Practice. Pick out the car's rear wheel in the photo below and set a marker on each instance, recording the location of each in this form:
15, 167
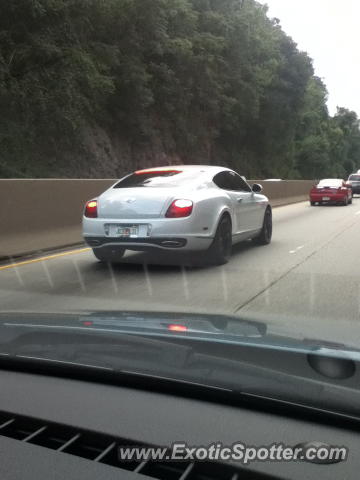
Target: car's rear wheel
350, 201
109, 254
266, 232
345, 202
221, 248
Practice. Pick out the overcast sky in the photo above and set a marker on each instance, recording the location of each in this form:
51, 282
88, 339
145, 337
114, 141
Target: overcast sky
328, 30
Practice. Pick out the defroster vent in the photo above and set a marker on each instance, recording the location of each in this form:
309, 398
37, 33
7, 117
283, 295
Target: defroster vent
104, 449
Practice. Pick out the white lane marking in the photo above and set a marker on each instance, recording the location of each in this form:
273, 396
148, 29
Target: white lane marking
113, 279
224, 284
312, 295
80, 278
267, 291
185, 283
297, 249
148, 280
47, 274
17, 273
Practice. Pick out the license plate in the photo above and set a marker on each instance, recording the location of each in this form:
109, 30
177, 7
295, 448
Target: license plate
326, 199
127, 231
142, 230
124, 231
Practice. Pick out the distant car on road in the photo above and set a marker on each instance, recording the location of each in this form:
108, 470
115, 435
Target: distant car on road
180, 208
354, 182
331, 190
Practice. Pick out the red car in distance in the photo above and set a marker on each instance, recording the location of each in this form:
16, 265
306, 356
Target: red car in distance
331, 190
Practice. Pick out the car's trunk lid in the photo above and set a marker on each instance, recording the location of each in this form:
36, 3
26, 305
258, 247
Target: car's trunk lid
328, 190
132, 203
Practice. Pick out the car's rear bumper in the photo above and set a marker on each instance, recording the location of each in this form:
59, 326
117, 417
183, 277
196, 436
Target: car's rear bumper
151, 243
169, 234
165, 242
333, 198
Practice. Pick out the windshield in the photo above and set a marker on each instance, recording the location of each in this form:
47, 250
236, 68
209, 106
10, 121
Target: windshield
172, 171
330, 183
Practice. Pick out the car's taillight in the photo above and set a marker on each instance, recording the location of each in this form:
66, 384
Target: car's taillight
180, 208
91, 209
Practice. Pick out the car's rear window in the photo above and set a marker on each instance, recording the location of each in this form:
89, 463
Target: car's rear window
355, 177
331, 182
165, 179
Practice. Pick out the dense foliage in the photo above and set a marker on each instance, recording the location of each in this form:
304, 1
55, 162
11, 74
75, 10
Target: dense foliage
197, 80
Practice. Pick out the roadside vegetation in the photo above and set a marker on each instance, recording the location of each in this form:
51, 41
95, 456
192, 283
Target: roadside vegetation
92, 88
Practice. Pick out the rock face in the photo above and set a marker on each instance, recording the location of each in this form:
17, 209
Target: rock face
102, 155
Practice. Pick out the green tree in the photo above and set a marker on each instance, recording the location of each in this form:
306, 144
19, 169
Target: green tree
313, 133
207, 81
345, 151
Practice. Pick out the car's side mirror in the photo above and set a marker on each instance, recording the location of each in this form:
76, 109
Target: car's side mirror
256, 188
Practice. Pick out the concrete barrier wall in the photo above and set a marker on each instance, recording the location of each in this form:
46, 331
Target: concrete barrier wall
38, 215
43, 214
287, 191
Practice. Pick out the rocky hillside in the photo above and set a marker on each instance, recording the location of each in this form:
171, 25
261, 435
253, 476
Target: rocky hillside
94, 88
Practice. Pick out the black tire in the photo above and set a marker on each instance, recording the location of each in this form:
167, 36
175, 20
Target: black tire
313, 204
220, 251
350, 201
109, 254
345, 202
266, 232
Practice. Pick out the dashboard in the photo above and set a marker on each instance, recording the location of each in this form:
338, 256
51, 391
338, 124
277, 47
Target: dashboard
149, 418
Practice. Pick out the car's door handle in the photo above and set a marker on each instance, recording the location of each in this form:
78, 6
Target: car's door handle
239, 200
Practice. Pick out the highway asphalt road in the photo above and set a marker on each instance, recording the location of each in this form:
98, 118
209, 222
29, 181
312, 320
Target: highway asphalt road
306, 283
